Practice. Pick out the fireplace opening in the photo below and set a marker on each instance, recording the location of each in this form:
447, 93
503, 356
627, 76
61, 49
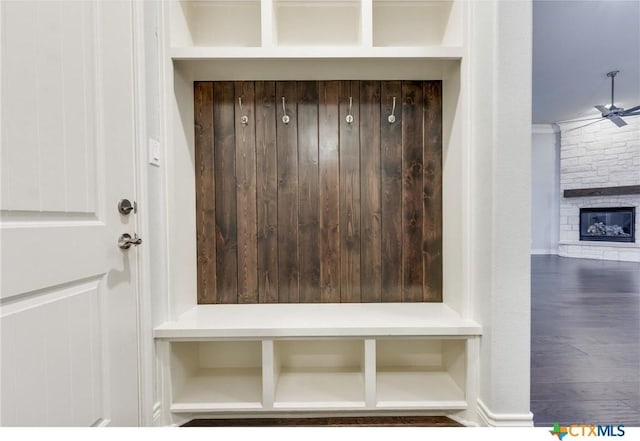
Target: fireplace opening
612, 224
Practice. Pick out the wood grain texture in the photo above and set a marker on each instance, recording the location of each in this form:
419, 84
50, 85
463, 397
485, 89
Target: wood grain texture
308, 195
349, 192
246, 193
205, 193
267, 191
602, 191
412, 189
432, 192
329, 158
319, 209
370, 247
287, 146
225, 193
384, 421
391, 203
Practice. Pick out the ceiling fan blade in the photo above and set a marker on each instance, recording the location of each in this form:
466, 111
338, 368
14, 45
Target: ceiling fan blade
602, 109
617, 120
585, 125
630, 111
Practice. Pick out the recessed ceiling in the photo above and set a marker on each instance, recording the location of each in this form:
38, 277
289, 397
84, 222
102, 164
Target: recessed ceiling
575, 44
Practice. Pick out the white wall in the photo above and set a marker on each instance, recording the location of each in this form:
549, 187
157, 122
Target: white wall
156, 240
545, 189
599, 155
501, 192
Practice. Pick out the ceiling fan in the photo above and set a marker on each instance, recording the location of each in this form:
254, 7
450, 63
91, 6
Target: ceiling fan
612, 113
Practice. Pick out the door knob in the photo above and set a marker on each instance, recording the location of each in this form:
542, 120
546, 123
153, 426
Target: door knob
125, 241
125, 206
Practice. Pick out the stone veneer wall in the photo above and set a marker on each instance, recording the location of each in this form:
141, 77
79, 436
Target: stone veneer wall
600, 155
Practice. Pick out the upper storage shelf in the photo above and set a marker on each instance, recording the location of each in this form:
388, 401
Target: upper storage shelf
215, 23
317, 23
417, 23
206, 29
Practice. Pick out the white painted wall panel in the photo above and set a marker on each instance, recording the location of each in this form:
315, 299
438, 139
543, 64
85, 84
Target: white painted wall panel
48, 374
49, 105
21, 183
48, 109
77, 82
545, 190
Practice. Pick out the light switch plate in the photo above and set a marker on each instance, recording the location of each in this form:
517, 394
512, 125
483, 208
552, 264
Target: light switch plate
154, 152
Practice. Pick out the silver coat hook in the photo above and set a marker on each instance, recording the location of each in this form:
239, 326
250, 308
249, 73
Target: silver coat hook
392, 117
285, 117
349, 117
244, 119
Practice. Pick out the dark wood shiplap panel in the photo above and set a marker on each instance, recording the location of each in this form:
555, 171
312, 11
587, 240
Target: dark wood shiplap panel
267, 191
246, 192
370, 245
412, 189
329, 164
320, 209
225, 193
308, 195
391, 182
349, 192
205, 193
287, 146
432, 185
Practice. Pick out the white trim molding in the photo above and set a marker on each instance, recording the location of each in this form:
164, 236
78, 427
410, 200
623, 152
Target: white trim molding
157, 414
537, 251
538, 129
503, 419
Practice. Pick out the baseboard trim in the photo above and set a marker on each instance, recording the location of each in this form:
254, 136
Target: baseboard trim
537, 251
504, 419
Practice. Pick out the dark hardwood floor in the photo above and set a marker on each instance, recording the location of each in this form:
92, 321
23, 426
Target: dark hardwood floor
585, 348
388, 421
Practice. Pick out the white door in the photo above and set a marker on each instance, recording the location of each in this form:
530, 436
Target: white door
69, 342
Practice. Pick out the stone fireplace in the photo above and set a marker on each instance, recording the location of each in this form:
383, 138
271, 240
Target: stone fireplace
600, 192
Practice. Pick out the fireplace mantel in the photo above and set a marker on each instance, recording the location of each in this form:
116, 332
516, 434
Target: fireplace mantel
603, 191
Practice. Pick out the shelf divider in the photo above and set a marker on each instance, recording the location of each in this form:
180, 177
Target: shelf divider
370, 381
366, 23
268, 24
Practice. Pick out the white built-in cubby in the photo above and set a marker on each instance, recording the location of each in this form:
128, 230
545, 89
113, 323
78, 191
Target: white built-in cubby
317, 23
318, 358
417, 23
318, 373
198, 23
209, 29
266, 359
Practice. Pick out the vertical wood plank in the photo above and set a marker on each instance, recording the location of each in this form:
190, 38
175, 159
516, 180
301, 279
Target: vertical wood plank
286, 140
308, 197
391, 204
432, 182
267, 191
205, 192
412, 189
370, 251
328, 114
225, 193
246, 193
349, 193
